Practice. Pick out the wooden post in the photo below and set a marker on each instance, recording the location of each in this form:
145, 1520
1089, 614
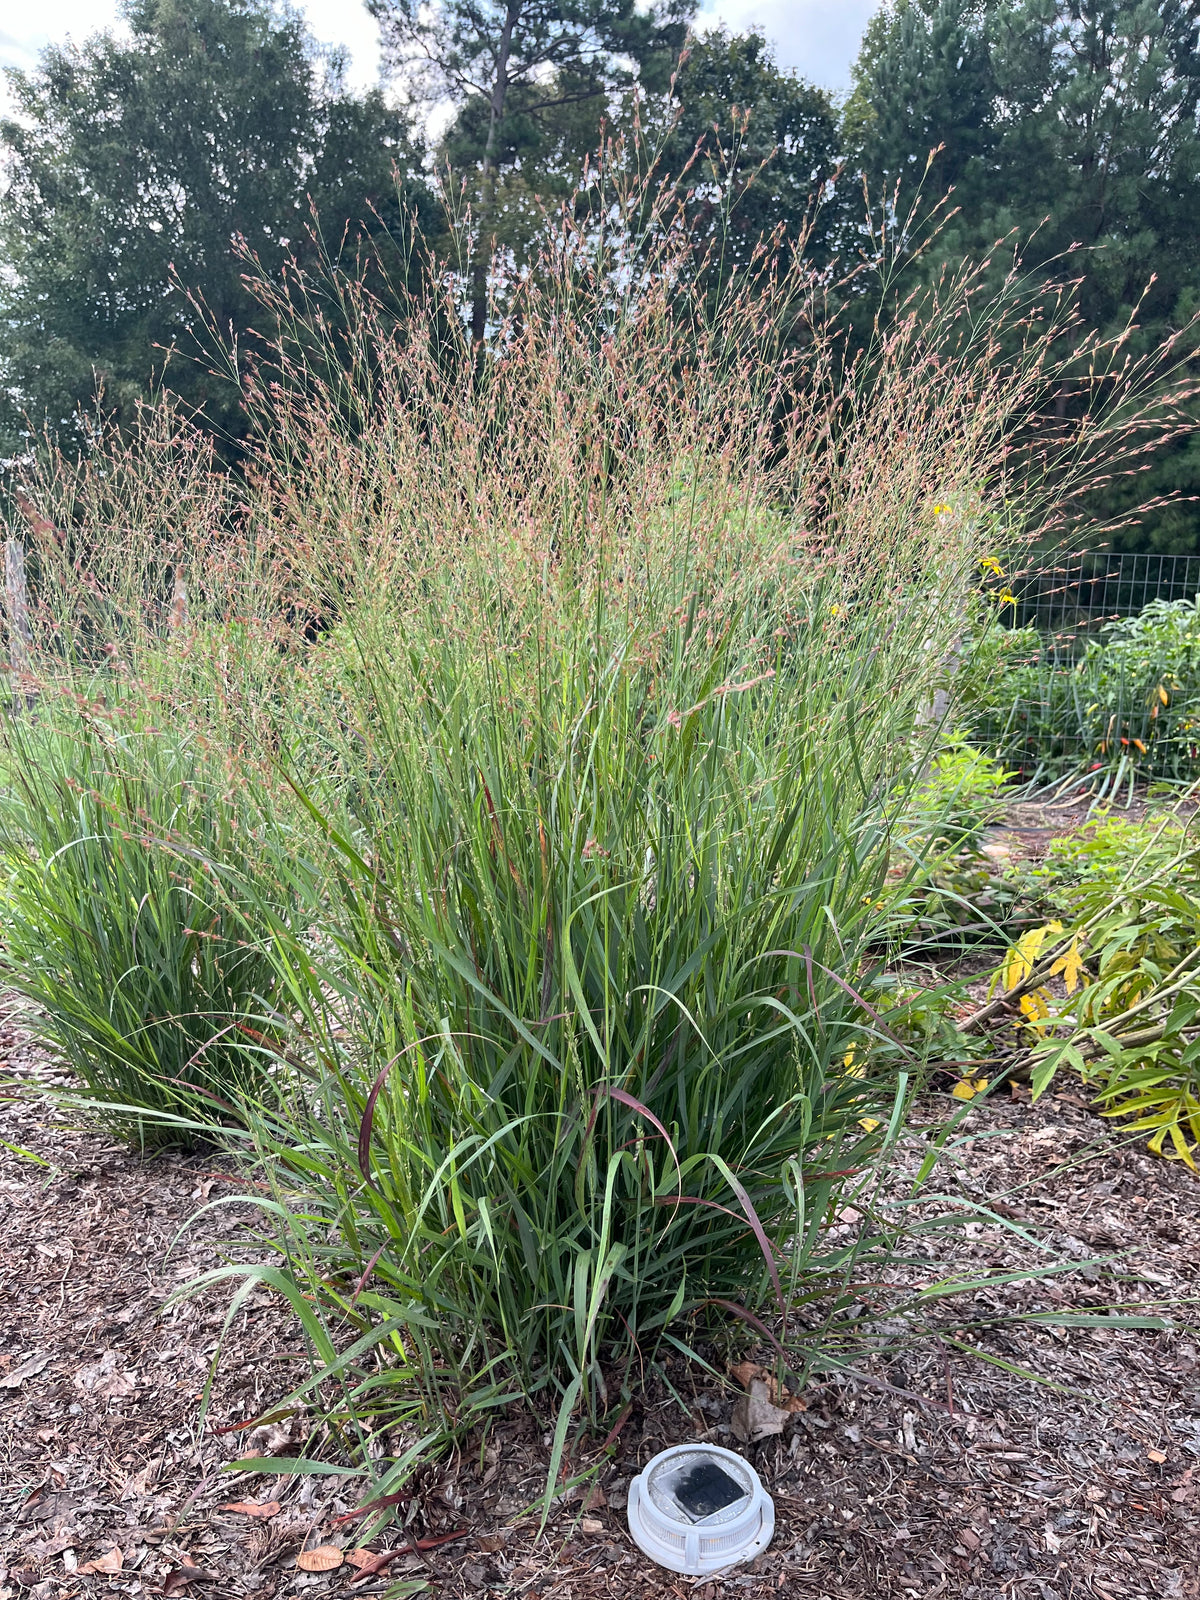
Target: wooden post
178, 619
20, 635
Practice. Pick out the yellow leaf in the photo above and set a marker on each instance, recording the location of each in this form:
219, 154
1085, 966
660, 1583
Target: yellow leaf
963, 1090
1019, 962
1070, 965
869, 1123
1163, 695
1035, 1009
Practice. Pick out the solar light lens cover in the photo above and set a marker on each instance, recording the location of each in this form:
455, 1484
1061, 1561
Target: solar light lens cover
698, 1509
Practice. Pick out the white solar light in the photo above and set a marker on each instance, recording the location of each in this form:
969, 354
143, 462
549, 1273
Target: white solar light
698, 1509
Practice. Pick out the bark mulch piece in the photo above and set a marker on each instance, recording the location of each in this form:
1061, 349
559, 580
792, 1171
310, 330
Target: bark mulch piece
930, 1473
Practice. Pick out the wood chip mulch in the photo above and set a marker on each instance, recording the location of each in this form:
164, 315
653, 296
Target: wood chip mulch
931, 1473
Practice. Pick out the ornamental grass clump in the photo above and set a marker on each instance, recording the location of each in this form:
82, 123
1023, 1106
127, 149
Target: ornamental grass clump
577, 685
120, 846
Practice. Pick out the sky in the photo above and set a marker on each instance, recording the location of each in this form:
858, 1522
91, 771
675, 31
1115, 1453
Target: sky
817, 37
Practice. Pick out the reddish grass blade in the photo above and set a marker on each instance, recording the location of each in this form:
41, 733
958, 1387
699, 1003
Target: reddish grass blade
760, 1233
256, 1422
402, 1497
614, 1431
367, 1271
755, 1322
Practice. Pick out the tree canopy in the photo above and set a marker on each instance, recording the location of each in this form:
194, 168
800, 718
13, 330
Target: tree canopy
140, 166
751, 146
134, 162
1070, 125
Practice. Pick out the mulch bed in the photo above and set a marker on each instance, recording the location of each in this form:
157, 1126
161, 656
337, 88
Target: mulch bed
930, 1472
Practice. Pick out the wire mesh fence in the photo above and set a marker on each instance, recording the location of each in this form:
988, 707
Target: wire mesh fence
1096, 670
1070, 598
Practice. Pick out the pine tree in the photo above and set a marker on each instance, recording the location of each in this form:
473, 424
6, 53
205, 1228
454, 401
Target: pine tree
1072, 127
520, 71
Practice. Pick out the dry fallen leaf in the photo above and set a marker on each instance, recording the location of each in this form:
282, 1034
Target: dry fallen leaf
595, 1499
376, 1562
264, 1510
754, 1417
323, 1559
111, 1561
104, 1380
137, 1485
748, 1373
177, 1580
1157, 1456
359, 1557
275, 1437
27, 1369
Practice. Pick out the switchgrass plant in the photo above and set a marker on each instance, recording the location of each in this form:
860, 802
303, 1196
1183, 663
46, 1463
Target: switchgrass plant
586, 1025
573, 688
117, 926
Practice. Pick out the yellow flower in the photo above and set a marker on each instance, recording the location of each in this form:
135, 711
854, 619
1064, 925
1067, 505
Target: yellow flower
990, 564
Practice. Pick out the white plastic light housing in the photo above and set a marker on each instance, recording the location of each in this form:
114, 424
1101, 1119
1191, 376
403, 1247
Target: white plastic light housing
698, 1509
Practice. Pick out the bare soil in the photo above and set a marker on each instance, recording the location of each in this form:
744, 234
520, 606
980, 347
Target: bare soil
929, 1472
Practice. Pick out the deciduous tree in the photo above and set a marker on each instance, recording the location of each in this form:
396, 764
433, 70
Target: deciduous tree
133, 161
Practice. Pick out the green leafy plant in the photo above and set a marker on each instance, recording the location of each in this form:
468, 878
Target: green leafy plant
962, 796
1126, 1015
943, 887
1128, 708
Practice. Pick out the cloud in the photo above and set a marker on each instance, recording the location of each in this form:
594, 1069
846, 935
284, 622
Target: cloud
53, 21
819, 38
350, 26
